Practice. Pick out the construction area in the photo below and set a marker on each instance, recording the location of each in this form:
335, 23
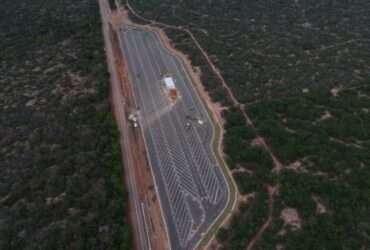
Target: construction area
176, 185
177, 136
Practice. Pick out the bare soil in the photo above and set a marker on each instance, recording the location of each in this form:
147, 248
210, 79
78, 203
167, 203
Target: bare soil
291, 219
143, 174
215, 245
122, 103
320, 207
296, 166
335, 91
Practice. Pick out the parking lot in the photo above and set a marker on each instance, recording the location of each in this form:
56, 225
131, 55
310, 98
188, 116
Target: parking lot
178, 137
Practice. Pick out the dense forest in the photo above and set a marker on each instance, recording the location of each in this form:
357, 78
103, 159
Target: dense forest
61, 184
302, 71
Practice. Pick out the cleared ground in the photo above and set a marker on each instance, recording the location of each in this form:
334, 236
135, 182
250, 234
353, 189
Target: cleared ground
192, 188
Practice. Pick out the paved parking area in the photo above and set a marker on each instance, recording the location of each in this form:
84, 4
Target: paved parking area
192, 188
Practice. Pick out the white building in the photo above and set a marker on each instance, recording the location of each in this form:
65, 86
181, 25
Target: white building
169, 82
170, 86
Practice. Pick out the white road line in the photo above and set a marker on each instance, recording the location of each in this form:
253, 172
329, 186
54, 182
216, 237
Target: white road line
114, 80
211, 163
205, 155
147, 151
146, 226
145, 76
213, 139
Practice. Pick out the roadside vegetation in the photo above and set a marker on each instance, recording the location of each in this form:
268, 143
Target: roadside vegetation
301, 69
61, 182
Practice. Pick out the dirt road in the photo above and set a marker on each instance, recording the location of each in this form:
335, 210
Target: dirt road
149, 229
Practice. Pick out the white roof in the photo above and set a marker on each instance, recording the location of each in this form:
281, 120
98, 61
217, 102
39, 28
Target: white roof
169, 82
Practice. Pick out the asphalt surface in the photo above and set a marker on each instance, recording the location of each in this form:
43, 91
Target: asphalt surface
142, 240
192, 188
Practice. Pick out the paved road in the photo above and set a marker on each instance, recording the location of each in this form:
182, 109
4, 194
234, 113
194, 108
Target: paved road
142, 240
190, 182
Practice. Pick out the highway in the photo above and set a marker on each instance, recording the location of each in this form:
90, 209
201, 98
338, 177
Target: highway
189, 180
142, 240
